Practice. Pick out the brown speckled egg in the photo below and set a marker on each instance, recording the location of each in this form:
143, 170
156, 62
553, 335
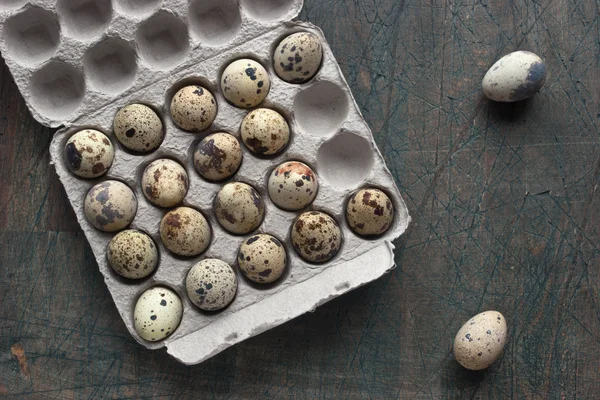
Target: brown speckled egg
132, 254
211, 284
185, 232
157, 313
139, 128
110, 206
262, 258
165, 183
298, 57
193, 108
239, 208
316, 237
245, 83
218, 156
265, 132
370, 212
89, 153
480, 341
293, 186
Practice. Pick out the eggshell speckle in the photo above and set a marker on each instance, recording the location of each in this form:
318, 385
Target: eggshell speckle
298, 57
218, 156
193, 108
132, 254
515, 77
165, 183
239, 208
316, 237
370, 212
157, 314
293, 186
262, 258
89, 153
211, 284
481, 340
245, 83
110, 206
265, 132
138, 128
185, 231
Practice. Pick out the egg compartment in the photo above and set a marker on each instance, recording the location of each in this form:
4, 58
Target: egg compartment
328, 134
71, 57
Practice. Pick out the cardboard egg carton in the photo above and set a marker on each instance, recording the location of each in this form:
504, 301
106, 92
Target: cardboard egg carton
138, 51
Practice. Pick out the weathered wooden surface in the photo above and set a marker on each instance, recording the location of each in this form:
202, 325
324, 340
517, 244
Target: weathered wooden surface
506, 216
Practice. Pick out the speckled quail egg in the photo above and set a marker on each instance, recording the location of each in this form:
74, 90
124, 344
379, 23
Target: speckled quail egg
293, 186
157, 313
218, 156
132, 254
480, 341
265, 132
316, 237
516, 76
262, 258
245, 83
193, 108
110, 206
89, 153
369, 212
211, 284
239, 208
138, 128
165, 183
298, 57
185, 232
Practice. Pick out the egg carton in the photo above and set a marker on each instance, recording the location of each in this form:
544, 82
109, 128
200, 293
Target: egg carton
328, 133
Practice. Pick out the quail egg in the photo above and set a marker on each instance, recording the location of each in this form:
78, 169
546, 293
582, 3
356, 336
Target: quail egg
132, 254
211, 284
157, 313
193, 108
370, 212
316, 237
110, 206
165, 183
218, 156
516, 76
239, 208
185, 232
262, 258
293, 186
89, 153
245, 83
265, 132
481, 340
298, 57
138, 128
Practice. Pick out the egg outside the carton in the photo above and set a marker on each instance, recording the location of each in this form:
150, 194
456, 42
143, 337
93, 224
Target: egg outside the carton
211, 284
516, 76
480, 341
89, 153
157, 314
262, 258
110, 206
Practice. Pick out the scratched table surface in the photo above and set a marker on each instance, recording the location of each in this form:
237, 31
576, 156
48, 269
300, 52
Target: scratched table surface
505, 208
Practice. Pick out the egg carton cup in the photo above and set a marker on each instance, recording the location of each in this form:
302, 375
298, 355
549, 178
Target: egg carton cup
328, 133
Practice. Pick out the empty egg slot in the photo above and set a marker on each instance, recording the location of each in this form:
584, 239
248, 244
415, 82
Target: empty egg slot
57, 89
12, 4
84, 19
346, 160
137, 8
321, 109
268, 10
110, 66
32, 36
163, 41
214, 22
